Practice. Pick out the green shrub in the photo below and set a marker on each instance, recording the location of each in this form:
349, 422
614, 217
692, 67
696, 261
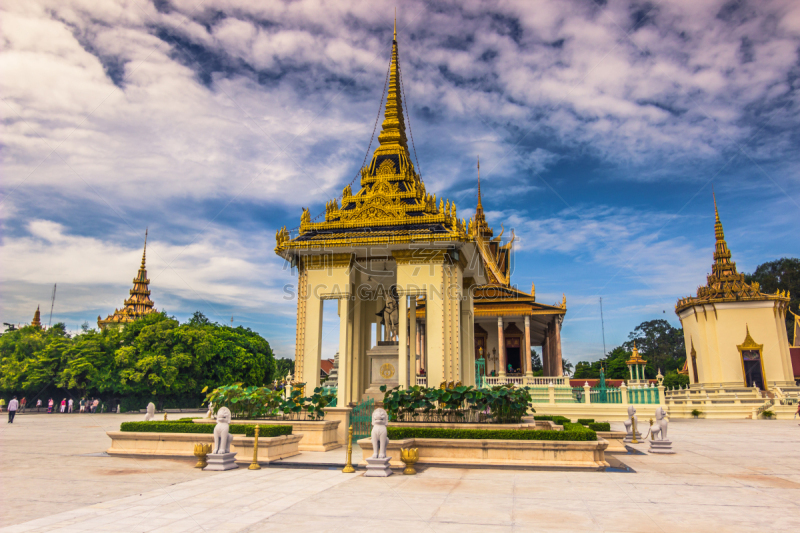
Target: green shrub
696, 413
600, 426
585, 421
556, 419
248, 430
189, 419
768, 414
250, 403
574, 433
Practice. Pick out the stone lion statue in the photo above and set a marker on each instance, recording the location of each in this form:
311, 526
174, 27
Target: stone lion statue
659, 430
222, 436
210, 413
629, 422
151, 412
380, 438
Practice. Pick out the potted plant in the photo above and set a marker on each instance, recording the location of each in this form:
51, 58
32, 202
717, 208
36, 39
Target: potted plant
696, 413
768, 414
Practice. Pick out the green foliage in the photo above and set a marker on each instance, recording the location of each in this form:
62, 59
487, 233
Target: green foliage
600, 426
556, 419
782, 274
248, 430
503, 404
673, 380
536, 361
152, 359
696, 413
575, 433
262, 402
585, 421
284, 367
767, 414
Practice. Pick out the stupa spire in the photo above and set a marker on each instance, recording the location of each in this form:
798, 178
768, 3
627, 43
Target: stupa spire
37, 319
393, 129
722, 255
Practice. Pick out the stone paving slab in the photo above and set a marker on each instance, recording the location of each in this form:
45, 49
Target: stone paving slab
727, 476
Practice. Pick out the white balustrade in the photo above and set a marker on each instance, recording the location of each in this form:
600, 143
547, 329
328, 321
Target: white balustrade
422, 381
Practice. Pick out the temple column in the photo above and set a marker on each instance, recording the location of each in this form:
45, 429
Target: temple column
527, 366
559, 364
412, 340
313, 342
417, 342
345, 355
501, 348
545, 354
402, 345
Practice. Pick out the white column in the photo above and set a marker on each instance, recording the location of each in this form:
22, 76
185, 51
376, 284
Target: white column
402, 348
527, 365
344, 354
412, 340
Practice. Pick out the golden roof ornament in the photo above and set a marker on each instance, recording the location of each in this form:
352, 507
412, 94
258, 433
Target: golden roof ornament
37, 322
635, 359
724, 283
138, 304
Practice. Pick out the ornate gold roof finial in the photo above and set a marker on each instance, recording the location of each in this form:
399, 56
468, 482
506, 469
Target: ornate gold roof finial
139, 302
144, 252
395, 24
480, 203
393, 129
37, 319
723, 266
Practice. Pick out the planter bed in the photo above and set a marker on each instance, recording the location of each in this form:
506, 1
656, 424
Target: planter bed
155, 444
526, 424
317, 435
545, 454
614, 439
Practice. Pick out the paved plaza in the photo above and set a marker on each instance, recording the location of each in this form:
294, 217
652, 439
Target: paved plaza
727, 476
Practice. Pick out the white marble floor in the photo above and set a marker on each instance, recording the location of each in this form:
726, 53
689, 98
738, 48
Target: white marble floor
728, 476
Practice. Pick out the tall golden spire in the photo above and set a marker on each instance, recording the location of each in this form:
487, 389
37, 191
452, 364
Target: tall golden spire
481, 226
722, 255
139, 303
393, 129
37, 319
480, 203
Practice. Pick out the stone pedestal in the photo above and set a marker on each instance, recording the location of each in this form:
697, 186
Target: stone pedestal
377, 467
661, 446
629, 437
221, 461
383, 361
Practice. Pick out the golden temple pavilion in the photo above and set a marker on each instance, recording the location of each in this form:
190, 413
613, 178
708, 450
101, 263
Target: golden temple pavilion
138, 304
411, 279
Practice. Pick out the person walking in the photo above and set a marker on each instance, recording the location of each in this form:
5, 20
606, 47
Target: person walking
83, 405
50, 405
38, 404
798, 409
2, 404
69, 405
13, 405
22, 404
63, 405
95, 403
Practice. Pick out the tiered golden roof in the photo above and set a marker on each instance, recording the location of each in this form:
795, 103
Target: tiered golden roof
725, 284
139, 304
635, 359
392, 205
37, 319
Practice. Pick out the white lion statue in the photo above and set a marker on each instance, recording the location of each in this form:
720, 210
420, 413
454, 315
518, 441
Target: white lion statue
151, 412
629, 423
659, 430
380, 438
210, 413
222, 436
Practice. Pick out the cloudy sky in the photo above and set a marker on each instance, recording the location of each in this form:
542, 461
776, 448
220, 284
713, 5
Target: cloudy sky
601, 128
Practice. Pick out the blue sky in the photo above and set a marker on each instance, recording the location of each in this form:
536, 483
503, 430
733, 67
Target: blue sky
601, 127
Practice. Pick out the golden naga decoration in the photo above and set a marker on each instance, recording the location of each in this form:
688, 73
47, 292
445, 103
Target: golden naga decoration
725, 284
138, 305
348, 468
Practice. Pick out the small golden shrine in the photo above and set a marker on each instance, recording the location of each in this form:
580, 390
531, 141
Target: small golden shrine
636, 366
37, 322
728, 308
138, 305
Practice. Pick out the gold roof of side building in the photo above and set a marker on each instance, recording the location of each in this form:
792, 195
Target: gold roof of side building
139, 304
37, 319
725, 284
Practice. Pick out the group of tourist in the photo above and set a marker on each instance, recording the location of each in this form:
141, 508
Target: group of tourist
66, 406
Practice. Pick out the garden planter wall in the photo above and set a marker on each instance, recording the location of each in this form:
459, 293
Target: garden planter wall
318, 435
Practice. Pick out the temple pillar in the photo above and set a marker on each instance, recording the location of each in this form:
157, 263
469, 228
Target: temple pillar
345, 354
545, 354
418, 343
501, 348
527, 365
412, 341
402, 346
559, 364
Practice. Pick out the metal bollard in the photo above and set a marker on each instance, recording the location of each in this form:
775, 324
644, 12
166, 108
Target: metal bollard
254, 465
348, 468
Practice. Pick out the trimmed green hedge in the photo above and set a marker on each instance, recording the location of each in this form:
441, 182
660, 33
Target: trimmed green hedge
247, 430
600, 426
556, 419
585, 421
574, 432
